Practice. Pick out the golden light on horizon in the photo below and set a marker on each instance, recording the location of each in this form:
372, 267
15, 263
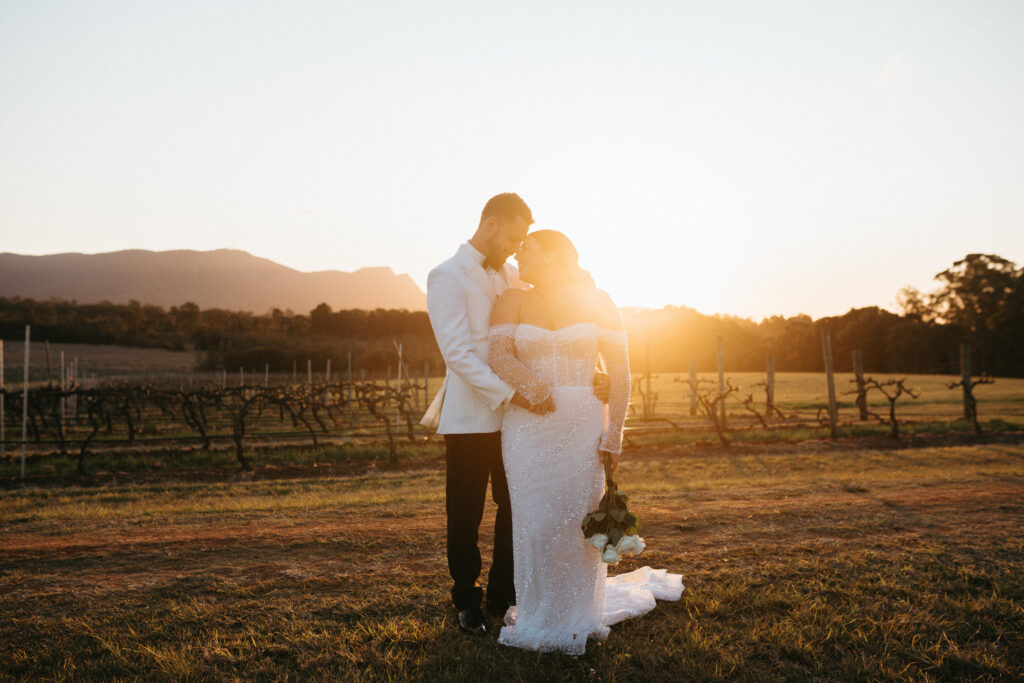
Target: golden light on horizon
733, 175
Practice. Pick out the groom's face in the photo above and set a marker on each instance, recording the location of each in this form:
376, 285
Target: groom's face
506, 236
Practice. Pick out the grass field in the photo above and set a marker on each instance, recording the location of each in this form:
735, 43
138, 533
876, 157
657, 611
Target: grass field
801, 560
98, 358
803, 393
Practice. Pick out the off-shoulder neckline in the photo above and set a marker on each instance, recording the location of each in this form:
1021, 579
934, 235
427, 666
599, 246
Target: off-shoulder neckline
558, 329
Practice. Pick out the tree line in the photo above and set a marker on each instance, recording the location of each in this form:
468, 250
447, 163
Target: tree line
979, 300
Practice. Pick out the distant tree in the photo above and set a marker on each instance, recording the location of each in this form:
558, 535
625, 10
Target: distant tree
980, 301
913, 304
974, 289
983, 295
186, 317
320, 319
865, 329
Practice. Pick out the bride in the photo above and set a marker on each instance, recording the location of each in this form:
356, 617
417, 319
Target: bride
544, 342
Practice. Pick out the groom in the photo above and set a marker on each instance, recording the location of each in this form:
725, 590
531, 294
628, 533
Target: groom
468, 408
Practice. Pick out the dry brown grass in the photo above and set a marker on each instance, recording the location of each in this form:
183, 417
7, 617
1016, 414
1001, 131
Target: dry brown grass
807, 562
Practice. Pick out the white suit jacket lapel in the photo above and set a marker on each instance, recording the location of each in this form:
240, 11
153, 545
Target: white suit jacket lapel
475, 272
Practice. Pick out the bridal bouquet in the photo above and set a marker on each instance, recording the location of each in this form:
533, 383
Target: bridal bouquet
612, 528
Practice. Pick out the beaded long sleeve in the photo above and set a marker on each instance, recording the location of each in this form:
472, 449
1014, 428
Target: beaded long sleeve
501, 356
612, 345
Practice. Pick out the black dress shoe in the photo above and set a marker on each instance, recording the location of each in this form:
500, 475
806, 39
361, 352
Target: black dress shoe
472, 621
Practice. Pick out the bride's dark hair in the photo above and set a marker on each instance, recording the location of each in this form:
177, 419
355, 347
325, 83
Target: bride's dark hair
566, 256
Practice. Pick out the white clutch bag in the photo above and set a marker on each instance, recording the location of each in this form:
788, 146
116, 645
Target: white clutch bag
432, 418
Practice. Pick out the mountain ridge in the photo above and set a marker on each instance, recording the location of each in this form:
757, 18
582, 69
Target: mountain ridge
222, 278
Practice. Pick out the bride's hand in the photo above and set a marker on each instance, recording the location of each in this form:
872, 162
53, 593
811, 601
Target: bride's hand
614, 458
544, 407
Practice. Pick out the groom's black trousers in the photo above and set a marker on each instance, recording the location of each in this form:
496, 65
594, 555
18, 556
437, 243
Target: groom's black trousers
470, 459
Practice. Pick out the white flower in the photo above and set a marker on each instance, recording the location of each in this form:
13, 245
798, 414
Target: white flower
599, 541
628, 545
609, 555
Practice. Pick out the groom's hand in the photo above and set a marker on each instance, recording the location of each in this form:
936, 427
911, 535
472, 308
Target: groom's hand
520, 400
601, 386
543, 408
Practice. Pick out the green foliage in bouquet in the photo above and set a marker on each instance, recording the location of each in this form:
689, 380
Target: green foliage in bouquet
612, 521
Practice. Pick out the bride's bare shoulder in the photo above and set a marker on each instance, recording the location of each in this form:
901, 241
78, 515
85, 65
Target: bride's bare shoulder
506, 308
606, 311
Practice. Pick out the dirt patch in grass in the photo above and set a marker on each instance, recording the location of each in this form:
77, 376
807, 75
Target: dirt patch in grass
881, 443
875, 568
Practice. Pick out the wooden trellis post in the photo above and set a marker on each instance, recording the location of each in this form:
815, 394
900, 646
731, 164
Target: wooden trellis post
721, 383
858, 371
833, 417
24, 401
398, 386
693, 387
769, 380
63, 390
426, 384
327, 383
965, 370
648, 404
49, 367
3, 435
69, 371
351, 413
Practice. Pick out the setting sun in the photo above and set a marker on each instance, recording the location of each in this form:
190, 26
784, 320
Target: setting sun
276, 405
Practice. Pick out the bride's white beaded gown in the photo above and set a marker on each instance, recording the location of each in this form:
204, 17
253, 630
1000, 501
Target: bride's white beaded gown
563, 593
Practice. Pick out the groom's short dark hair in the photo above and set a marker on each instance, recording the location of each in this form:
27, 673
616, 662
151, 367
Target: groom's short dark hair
507, 205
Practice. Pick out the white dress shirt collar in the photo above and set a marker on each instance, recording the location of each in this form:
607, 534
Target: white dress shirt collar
475, 253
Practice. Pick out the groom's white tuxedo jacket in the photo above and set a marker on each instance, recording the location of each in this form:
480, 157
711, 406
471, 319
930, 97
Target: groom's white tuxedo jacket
460, 295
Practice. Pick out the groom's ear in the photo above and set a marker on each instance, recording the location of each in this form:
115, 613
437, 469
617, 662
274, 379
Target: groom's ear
489, 226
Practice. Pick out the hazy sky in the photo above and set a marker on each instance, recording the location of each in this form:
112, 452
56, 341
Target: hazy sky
751, 158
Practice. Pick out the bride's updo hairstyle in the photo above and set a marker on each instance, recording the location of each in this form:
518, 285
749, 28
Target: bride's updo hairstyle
566, 257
